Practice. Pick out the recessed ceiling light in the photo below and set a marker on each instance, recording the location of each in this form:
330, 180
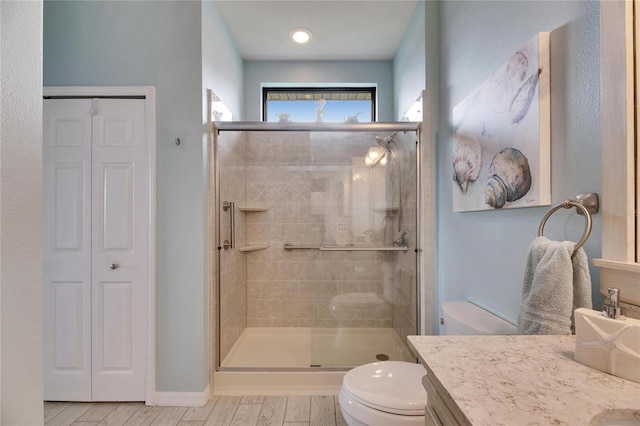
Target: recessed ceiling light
300, 35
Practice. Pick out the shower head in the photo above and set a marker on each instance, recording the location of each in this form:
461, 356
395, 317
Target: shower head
386, 141
386, 144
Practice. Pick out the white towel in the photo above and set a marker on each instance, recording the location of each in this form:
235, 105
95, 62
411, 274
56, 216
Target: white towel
554, 285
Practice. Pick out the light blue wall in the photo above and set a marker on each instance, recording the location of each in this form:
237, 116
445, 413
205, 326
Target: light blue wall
222, 70
222, 65
409, 64
482, 254
153, 43
258, 72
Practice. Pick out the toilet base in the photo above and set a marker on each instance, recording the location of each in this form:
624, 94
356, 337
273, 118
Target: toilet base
357, 414
351, 421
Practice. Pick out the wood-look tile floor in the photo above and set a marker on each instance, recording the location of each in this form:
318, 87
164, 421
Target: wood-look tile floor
220, 411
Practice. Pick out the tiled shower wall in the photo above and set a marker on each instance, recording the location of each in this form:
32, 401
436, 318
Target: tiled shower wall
319, 192
232, 153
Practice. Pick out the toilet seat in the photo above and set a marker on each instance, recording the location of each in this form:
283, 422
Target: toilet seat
393, 387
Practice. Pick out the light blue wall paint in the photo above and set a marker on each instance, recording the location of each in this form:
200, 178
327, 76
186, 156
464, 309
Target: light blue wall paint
482, 254
222, 65
258, 72
222, 70
153, 43
409, 64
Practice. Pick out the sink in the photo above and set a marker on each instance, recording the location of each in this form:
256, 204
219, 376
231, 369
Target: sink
609, 345
617, 417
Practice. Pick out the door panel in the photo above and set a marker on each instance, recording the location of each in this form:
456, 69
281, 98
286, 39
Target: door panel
117, 213
95, 249
115, 332
120, 276
68, 183
68, 308
67, 249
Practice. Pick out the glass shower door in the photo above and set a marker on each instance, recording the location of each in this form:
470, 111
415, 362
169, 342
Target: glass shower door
365, 287
231, 265
319, 268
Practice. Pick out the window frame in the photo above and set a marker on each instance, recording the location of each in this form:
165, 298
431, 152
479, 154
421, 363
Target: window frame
372, 89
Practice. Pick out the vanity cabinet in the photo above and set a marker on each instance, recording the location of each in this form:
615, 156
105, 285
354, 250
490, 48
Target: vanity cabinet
437, 412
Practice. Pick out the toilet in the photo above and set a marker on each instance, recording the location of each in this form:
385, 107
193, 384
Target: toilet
390, 393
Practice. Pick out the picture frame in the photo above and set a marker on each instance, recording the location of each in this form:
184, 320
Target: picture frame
501, 135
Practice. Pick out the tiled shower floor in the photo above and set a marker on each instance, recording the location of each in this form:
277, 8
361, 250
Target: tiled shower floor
302, 347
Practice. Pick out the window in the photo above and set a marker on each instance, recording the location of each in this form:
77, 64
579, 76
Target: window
319, 104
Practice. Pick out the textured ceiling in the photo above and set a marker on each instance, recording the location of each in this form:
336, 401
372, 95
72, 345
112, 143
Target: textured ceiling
342, 30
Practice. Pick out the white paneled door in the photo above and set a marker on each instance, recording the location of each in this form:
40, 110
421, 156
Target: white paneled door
96, 224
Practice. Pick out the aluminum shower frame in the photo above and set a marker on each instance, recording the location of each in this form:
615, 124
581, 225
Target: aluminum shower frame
220, 126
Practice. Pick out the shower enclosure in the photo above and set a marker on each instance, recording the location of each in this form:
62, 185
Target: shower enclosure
315, 244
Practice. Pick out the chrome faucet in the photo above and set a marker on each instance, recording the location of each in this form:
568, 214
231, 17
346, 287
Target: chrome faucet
613, 310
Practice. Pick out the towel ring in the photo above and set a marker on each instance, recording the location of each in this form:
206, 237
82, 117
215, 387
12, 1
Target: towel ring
567, 204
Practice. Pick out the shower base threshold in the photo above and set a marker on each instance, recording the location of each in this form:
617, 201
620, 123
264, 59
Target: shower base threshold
277, 382
294, 360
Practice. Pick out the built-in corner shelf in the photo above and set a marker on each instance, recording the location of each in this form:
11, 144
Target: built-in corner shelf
253, 209
254, 247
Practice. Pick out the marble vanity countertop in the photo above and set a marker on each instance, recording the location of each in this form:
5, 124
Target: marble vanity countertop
520, 380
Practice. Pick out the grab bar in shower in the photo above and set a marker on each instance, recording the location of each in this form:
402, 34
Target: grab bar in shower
356, 248
289, 246
231, 207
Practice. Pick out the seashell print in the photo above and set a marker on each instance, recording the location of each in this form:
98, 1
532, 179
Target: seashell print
512, 72
507, 80
509, 178
517, 67
467, 160
523, 98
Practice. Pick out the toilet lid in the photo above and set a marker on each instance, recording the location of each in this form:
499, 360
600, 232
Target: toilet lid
390, 386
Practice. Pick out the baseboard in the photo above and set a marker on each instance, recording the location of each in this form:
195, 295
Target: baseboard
183, 399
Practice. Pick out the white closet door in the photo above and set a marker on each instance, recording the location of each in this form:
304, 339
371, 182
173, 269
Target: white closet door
120, 247
67, 249
96, 240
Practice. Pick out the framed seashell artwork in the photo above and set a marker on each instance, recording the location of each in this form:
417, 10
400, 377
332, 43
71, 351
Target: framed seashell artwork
501, 135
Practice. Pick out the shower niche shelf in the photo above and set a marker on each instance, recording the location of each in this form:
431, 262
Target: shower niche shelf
254, 247
250, 209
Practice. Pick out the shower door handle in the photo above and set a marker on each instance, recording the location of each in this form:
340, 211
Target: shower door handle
230, 206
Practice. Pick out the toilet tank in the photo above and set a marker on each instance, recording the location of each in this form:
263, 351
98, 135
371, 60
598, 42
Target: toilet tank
465, 318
